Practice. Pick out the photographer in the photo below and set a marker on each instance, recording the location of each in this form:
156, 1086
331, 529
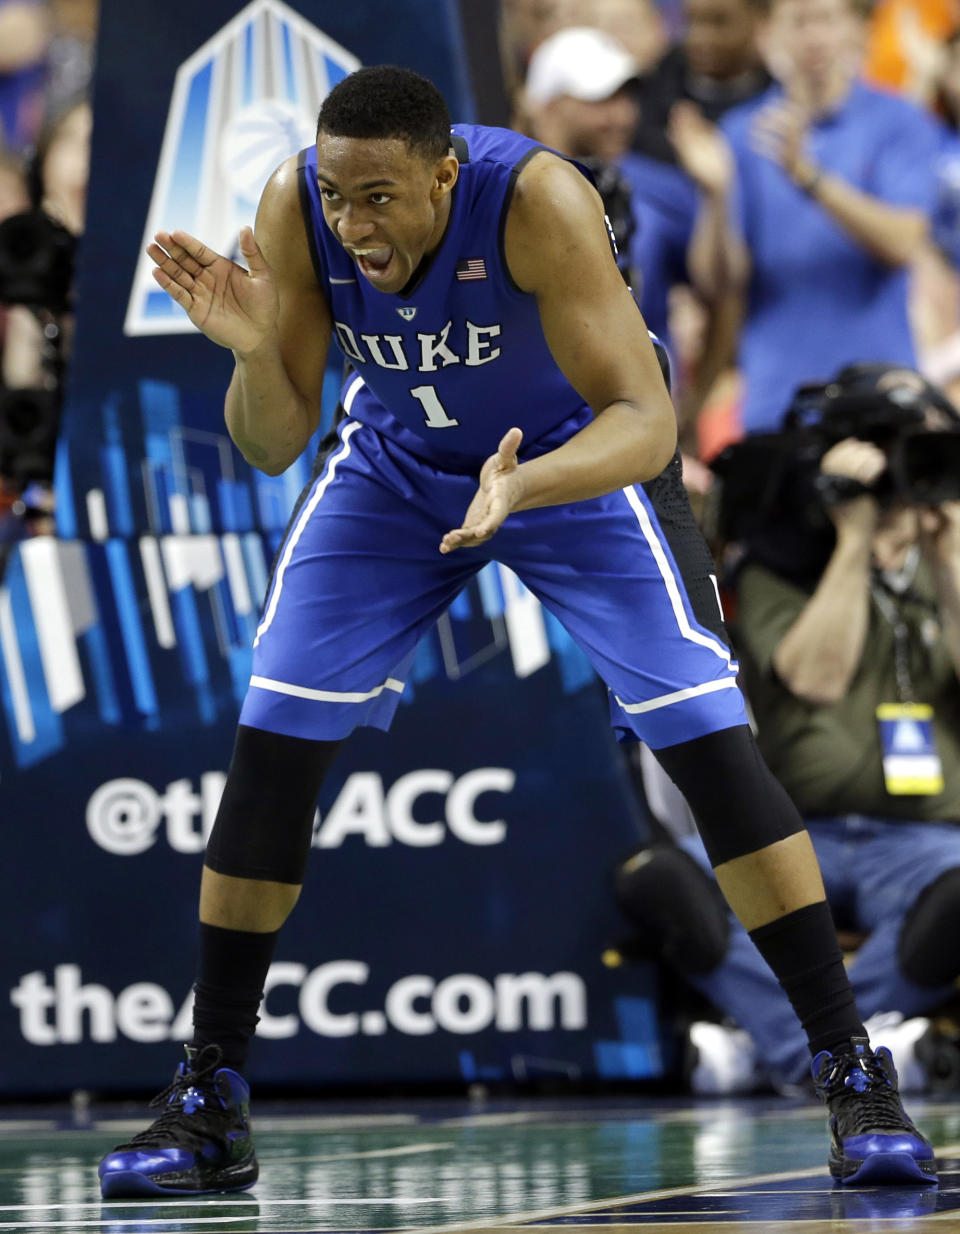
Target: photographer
851, 661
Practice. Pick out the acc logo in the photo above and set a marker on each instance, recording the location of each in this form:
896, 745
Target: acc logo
330, 1002
124, 816
242, 103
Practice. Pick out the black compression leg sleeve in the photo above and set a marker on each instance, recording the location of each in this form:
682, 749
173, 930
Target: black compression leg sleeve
230, 979
262, 831
803, 952
738, 803
265, 821
928, 951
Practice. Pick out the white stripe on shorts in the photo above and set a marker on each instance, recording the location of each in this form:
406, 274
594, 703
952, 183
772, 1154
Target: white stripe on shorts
673, 591
325, 696
304, 518
351, 393
665, 700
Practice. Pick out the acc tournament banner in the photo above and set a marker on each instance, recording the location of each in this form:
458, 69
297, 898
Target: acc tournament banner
458, 902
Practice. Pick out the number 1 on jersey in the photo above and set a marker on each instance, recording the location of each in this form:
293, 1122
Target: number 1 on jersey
433, 409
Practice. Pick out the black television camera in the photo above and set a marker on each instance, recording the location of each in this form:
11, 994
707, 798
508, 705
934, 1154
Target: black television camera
771, 485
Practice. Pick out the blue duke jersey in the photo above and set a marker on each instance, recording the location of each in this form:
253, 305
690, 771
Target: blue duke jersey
459, 358
441, 372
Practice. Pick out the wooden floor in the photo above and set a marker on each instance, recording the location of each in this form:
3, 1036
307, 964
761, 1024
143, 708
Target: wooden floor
586, 1165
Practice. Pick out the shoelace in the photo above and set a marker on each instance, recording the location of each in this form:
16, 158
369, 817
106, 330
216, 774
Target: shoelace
173, 1127
874, 1108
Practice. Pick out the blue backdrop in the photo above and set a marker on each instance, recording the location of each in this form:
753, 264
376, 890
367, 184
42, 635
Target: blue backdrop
458, 904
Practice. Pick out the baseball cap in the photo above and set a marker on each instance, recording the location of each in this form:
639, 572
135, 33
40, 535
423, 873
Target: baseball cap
581, 62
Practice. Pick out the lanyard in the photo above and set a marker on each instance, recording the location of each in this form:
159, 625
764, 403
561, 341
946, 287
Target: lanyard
890, 611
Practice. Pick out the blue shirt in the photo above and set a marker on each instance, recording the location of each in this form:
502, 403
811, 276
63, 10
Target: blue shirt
664, 203
459, 358
817, 299
946, 211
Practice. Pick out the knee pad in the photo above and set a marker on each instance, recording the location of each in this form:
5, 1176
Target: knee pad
927, 950
264, 824
676, 906
737, 802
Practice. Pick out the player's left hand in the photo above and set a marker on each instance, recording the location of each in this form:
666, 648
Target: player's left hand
499, 491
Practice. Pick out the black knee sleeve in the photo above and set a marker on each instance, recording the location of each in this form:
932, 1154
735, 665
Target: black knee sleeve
676, 906
738, 803
928, 951
265, 821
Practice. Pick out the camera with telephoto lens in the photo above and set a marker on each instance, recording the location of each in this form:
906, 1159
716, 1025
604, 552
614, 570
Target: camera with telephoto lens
772, 482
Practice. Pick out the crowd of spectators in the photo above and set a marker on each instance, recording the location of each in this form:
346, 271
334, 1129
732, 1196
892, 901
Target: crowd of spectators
776, 153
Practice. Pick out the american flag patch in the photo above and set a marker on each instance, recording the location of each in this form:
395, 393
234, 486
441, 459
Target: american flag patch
471, 268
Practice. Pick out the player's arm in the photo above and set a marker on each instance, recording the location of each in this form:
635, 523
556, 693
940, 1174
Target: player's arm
273, 402
273, 316
557, 248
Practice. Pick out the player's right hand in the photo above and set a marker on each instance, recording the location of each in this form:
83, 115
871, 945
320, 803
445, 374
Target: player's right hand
234, 307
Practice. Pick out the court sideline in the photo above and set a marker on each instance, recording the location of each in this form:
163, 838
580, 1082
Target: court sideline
436, 1167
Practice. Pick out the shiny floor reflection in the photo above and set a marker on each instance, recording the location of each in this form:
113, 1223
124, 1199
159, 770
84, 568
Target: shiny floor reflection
605, 1164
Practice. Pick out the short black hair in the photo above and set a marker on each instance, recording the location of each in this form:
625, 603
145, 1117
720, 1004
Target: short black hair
386, 101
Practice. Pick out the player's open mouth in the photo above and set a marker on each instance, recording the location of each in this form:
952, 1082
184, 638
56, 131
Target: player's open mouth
374, 263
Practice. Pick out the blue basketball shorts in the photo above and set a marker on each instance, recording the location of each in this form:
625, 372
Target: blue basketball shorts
359, 579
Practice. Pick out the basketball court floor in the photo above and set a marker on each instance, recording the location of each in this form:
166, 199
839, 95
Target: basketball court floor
585, 1164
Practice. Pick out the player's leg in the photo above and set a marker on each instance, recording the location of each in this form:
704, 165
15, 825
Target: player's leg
346, 607
742, 985
253, 871
767, 869
899, 882
631, 579
202, 1140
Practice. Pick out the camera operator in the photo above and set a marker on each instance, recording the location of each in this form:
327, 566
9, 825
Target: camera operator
880, 552
851, 662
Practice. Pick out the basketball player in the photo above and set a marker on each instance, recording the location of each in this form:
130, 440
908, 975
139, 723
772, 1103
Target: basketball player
469, 281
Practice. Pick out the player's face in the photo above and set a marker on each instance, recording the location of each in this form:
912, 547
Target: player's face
386, 204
